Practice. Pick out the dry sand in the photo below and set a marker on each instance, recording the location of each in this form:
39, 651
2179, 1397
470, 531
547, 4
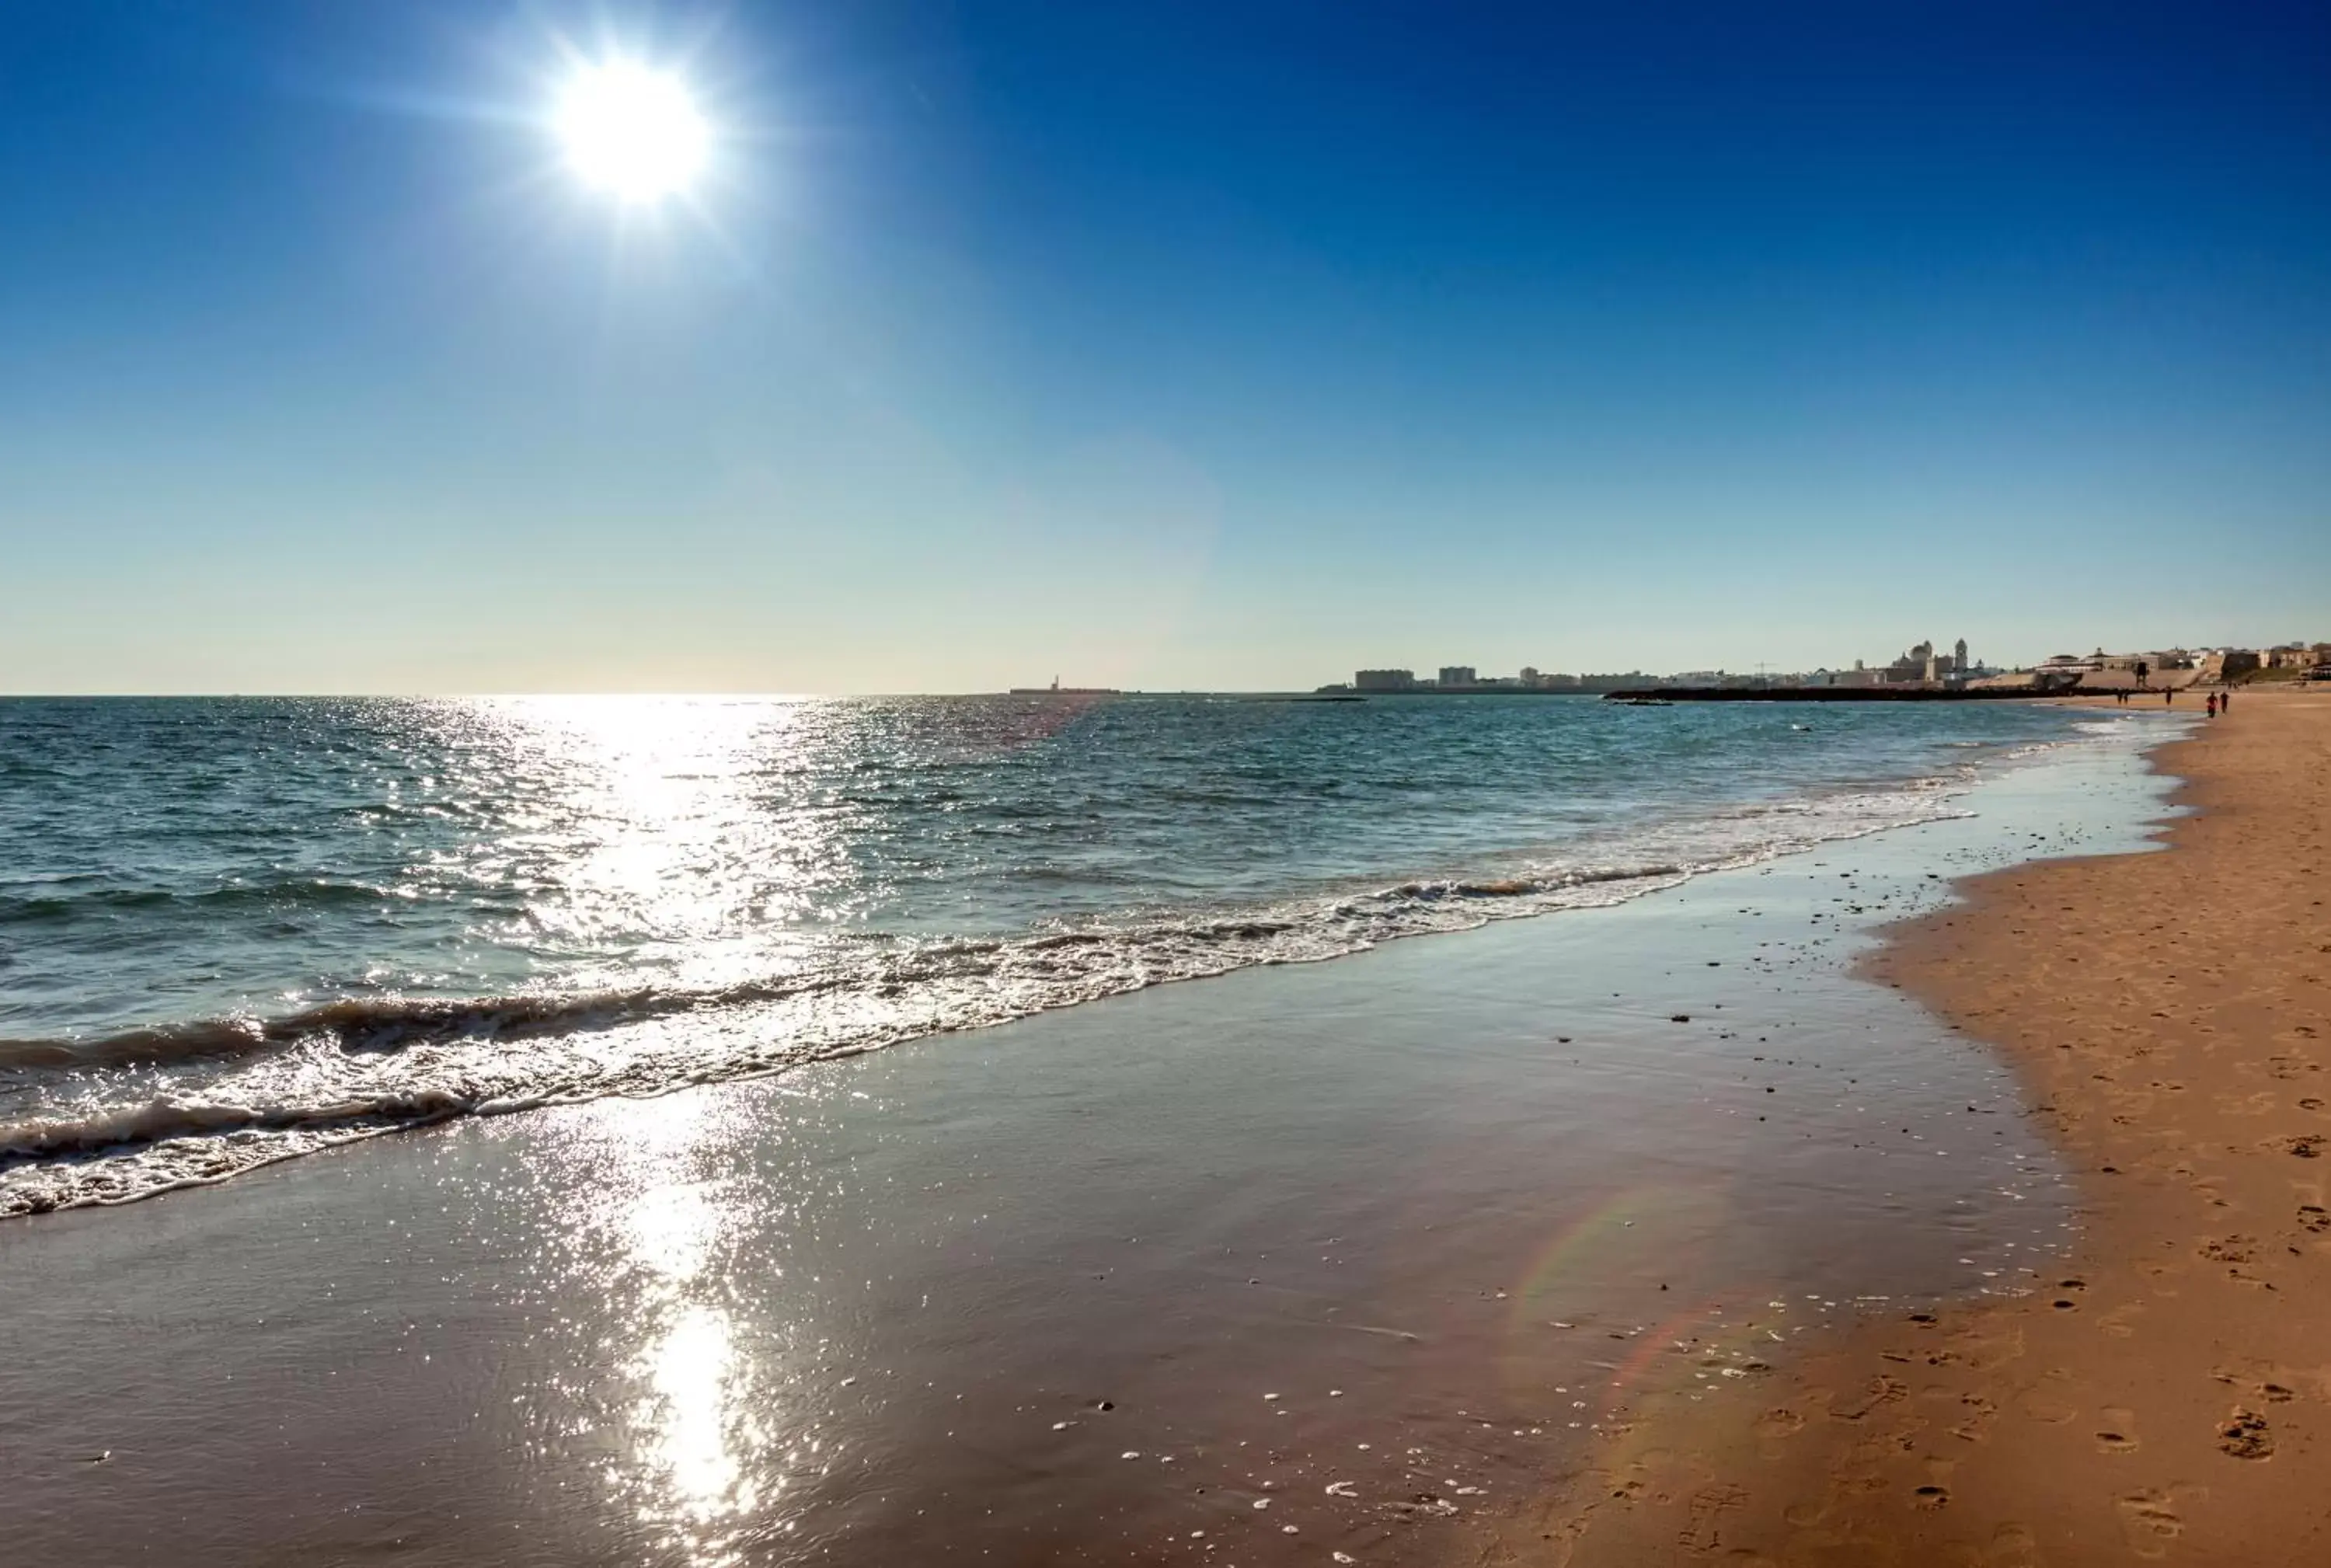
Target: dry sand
2165, 1395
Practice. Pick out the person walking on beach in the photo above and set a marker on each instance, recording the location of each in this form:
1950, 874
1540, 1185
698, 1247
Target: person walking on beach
2168, 697
2226, 701
2213, 705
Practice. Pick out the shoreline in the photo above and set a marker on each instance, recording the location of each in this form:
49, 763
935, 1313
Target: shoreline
1369, 1248
210, 1093
2164, 1396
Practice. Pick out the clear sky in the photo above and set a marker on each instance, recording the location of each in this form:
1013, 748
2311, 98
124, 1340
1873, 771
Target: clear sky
1167, 346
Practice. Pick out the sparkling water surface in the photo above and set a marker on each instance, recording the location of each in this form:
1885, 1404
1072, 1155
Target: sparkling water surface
232, 930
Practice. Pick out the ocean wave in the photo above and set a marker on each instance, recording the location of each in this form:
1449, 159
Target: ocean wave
159, 1121
290, 894
383, 1024
137, 1112
355, 1023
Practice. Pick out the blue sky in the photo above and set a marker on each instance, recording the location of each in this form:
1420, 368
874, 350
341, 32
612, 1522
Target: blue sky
1214, 347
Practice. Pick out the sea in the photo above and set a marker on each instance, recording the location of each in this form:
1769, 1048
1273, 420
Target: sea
235, 931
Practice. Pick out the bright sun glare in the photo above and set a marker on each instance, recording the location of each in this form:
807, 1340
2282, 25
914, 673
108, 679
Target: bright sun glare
631, 131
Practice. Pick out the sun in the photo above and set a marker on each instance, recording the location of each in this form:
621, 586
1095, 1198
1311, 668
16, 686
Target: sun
633, 131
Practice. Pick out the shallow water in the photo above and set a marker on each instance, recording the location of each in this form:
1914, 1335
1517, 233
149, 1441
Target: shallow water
233, 931
1027, 1295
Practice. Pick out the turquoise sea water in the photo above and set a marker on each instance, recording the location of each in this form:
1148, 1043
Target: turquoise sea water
233, 931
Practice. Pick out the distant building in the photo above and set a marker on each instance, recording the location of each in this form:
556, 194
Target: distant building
1458, 675
1918, 664
1385, 681
1922, 665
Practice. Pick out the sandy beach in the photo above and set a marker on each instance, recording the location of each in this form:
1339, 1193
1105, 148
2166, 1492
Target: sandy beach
2165, 1395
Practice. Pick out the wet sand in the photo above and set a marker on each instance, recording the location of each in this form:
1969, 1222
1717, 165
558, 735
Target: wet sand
1346, 1257
2165, 1395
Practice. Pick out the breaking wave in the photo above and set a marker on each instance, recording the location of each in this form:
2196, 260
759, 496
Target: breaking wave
131, 1114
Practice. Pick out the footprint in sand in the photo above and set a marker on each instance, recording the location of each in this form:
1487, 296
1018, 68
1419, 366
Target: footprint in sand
1931, 1497
1882, 1390
2150, 1521
1978, 1413
1775, 1427
2013, 1545
2244, 1435
1705, 1531
2230, 1249
2054, 1412
2117, 1432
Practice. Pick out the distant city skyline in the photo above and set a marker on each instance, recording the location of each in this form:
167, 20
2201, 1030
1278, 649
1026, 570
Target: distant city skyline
1922, 661
1922, 669
1149, 348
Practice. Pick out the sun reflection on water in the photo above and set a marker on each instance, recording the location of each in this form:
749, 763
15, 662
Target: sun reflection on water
698, 1468
672, 837
699, 1432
